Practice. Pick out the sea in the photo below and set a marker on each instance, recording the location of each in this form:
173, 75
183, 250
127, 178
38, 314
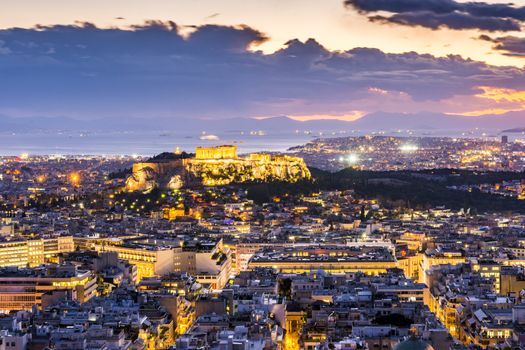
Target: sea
149, 143
143, 143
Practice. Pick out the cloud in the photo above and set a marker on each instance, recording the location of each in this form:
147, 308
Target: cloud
353, 115
3, 49
455, 20
502, 95
501, 100
436, 14
508, 45
151, 70
213, 15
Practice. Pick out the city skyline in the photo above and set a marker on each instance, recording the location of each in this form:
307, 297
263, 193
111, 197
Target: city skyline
229, 59
262, 175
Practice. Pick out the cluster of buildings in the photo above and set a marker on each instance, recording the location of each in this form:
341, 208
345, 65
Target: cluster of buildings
511, 188
25, 178
383, 153
207, 268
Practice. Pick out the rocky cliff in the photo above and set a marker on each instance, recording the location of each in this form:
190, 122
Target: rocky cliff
216, 172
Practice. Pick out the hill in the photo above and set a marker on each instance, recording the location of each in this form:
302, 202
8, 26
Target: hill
371, 122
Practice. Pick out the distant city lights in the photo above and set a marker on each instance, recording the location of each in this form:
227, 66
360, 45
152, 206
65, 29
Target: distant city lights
74, 178
408, 148
353, 158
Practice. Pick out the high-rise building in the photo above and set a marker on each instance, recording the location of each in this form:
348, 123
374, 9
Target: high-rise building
151, 260
34, 252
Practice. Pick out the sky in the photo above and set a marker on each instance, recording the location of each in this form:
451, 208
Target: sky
307, 59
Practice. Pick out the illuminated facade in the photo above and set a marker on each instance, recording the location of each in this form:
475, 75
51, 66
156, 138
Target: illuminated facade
21, 289
185, 315
410, 265
220, 152
406, 293
172, 213
150, 261
210, 266
445, 309
489, 269
436, 259
34, 252
242, 253
157, 257
332, 259
511, 282
213, 269
294, 319
414, 240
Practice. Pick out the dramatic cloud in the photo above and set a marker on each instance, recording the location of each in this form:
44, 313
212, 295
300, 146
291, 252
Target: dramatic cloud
497, 101
443, 13
152, 70
508, 45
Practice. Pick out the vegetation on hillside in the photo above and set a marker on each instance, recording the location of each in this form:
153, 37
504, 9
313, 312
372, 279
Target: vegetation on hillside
413, 189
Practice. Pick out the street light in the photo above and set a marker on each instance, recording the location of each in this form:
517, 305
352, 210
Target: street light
74, 178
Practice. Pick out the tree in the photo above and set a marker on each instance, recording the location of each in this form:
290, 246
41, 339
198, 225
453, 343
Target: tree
285, 287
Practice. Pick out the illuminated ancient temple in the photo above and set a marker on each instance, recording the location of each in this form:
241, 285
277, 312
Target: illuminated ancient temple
215, 166
219, 152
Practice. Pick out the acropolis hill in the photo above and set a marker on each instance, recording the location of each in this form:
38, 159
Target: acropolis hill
215, 166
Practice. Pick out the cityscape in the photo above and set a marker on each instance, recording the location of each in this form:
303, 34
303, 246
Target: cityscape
260, 175
383, 153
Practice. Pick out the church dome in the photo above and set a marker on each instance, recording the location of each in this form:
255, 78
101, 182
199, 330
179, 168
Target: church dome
413, 344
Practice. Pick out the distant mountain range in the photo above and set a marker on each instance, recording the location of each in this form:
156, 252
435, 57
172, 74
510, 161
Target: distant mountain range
379, 121
432, 121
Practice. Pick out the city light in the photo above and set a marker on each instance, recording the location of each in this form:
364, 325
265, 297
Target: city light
74, 178
408, 148
353, 158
